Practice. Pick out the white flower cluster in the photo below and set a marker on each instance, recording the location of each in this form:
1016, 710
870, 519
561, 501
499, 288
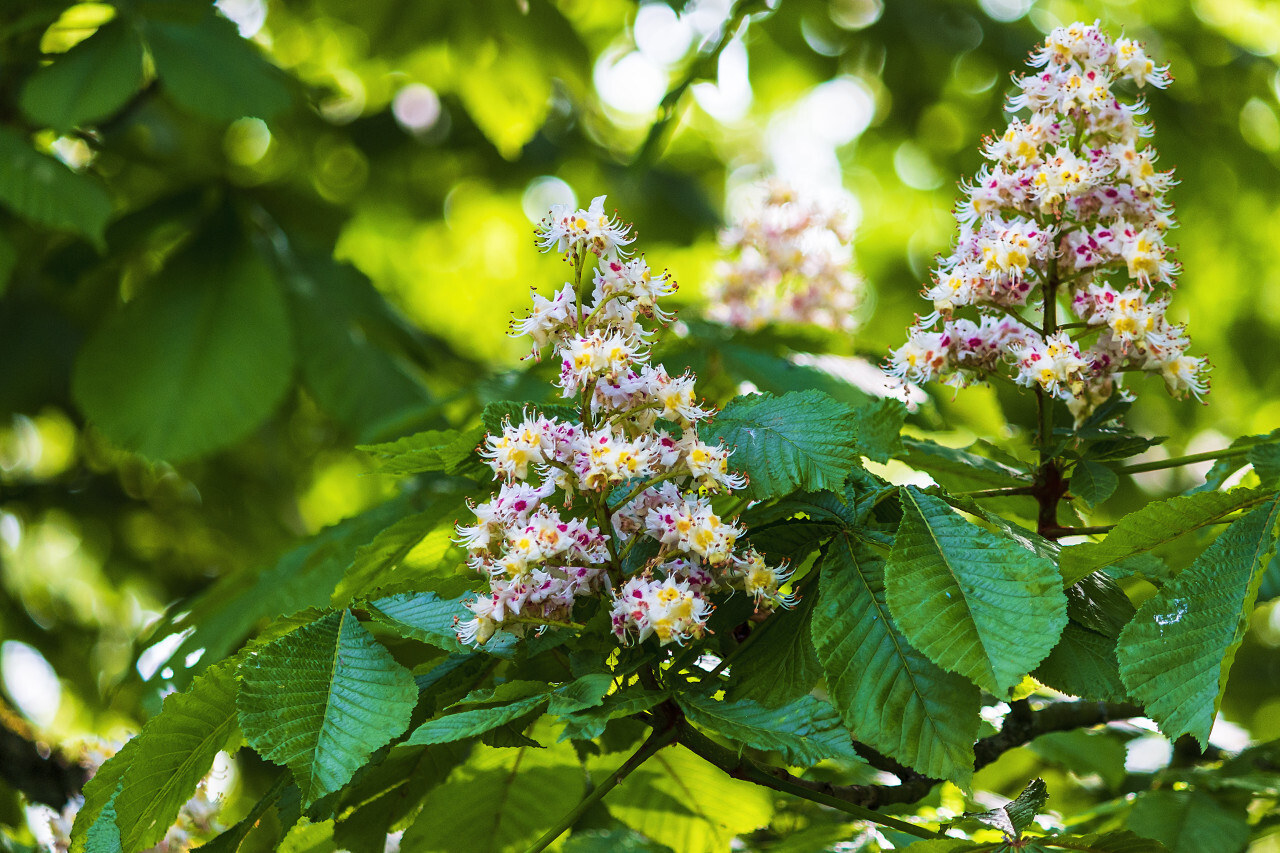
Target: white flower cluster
791, 259
197, 820
1068, 203
630, 463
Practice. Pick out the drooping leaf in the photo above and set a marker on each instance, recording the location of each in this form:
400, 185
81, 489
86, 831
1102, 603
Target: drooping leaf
222, 616
780, 665
1225, 466
382, 562
679, 800
976, 603
346, 346
499, 800
1189, 822
1093, 482
589, 723
1018, 814
959, 469
209, 69
322, 699
157, 771
1083, 664
892, 697
1176, 653
426, 617
1265, 459
464, 724
87, 83
805, 731
196, 362
802, 440
104, 835
432, 450
229, 840
1099, 604
587, 691
1155, 524
45, 192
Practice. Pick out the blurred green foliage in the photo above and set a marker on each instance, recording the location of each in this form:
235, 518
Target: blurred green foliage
227, 257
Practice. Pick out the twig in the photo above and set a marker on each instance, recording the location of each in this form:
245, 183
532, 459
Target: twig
1176, 461
997, 493
659, 739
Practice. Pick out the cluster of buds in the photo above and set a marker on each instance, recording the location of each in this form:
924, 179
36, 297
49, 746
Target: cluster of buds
790, 264
629, 465
1068, 204
197, 820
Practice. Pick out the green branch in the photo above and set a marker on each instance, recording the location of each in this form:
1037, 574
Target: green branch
1178, 461
657, 740
740, 767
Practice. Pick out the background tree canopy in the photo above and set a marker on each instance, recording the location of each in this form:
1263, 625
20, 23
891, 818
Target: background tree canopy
238, 240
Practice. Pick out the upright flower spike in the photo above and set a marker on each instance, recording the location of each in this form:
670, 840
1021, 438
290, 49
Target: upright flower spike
630, 466
789, 262
1068, 215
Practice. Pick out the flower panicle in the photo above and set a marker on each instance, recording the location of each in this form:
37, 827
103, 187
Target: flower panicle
631, 467
1071, 207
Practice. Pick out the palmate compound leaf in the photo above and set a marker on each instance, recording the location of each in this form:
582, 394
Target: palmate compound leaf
805, 731
802, 440
976, 603
892, 697
1155, 524
146, 783
322, 699
1176, 653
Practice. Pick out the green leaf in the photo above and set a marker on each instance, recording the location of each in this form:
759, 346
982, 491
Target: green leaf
209, 69
611, 841
585, 692
346, 346
679, 800
428, 618
878, 429
976, 603
322, 699
464, 724
1177, 652
806, 730
781, 664
89, 82
893, 698
1018, 814
1155, 524
797, 441
1099, 604
1083, 664
104, 835
391, 791
303, 578
229, 840
1188, 822
384, 560
147, 782
589, 723
1093, 482
499, 800
431, 450
45, 192
1265, 459
959, 469
196, 362
1228, 465
495, 415
1111, 842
